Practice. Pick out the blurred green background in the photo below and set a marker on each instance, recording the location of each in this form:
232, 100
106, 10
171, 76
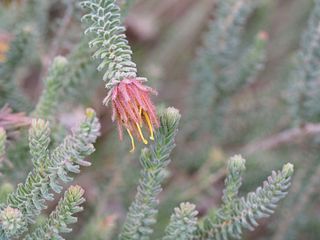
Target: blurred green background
166, 36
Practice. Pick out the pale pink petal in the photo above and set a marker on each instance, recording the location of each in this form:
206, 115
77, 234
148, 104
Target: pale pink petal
123, 90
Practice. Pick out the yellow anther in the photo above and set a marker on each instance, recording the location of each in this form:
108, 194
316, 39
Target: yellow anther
132, 141
149, 125
141, 134
140, 114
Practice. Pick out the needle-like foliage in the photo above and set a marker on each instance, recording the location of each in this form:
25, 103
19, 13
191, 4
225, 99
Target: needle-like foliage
183, 223
61, 217
304, 95
51, 167
154, 160
238, 213
52, 91
109, 40
221, 67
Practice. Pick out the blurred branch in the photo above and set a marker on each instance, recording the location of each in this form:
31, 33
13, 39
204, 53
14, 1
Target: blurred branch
211, 172
55, 45
203, 183
281, 138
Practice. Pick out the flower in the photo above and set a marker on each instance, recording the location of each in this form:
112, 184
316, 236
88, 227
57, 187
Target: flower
12, 121
132, 108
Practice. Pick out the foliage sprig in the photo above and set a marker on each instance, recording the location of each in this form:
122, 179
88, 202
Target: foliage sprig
238, 213
61, 217
154, 160
53, 167
111, 44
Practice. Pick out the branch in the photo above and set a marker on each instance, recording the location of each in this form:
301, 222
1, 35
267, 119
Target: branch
281, 138
55, 45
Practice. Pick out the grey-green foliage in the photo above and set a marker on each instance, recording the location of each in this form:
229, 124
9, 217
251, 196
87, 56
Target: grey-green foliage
225, 30
46, 108
222, 39
304, 95
5, 164
126, 5
55, 87
12, 223
38, 11
109, 40
52, 167
52, 90
233, 182
61, 217
82, 79
221, 66
183, 223
21, 13
5, 189
154, 160
18, 52
39, 140
245, 69
238, 213
3, 138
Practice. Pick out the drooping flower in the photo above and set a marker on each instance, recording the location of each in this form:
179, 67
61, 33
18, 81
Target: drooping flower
133, 109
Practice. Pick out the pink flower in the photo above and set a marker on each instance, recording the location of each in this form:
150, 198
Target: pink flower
132, 108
